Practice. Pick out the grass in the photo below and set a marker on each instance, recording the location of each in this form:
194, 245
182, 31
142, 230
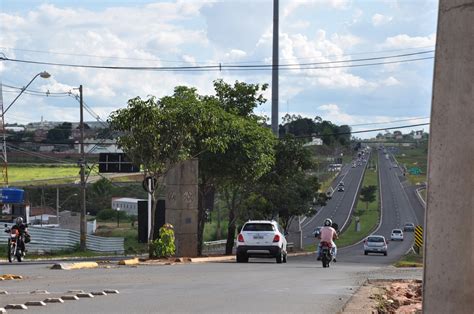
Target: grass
414, 157
18, 173
126, 231
368, 216
423, 194
410, 260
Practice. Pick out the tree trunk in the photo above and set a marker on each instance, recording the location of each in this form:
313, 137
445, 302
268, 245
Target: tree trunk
205, 201
218, 227
230, 232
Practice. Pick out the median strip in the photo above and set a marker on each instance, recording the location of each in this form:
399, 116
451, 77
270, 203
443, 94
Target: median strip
71, 266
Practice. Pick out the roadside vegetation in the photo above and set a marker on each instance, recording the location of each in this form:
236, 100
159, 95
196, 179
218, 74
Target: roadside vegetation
410, 260
367, 212
412, 158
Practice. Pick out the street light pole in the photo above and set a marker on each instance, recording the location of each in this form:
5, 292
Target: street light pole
118, 217
4, 171
275, 70
82, 164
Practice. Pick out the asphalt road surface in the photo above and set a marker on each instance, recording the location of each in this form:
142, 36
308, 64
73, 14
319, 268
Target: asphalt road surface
339, 207
262, 286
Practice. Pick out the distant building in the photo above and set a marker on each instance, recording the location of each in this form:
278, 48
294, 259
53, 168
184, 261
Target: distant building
388, 136
46, 148
126, 204
418, 135
15, 128
398, 135
316, 141
96, 146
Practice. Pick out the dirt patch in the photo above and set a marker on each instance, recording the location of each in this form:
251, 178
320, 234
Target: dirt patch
386, 296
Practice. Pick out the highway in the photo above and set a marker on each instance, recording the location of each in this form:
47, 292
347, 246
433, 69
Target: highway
339, 207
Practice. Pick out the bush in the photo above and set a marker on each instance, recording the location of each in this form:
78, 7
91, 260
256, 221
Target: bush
110, 214
164, 245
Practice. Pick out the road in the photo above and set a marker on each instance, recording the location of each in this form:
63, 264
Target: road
261, 286
339, 207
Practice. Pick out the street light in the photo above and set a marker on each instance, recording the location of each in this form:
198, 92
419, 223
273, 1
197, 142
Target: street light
43, 74
118, 216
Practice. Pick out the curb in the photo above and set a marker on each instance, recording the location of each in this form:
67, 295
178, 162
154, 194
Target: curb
71, 266
420, 198
133, 261
212, 259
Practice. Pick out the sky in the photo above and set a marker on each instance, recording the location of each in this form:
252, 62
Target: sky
200, 33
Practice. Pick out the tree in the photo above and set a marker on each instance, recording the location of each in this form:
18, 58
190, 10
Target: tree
287, 190
159, 134
100, 194
367, 194
60, 133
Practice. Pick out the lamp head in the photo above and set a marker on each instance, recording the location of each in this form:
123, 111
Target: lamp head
45, 74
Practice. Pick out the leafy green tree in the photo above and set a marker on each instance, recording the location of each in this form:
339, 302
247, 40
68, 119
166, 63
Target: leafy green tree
60, 133
99, 196
367, 194
159, 134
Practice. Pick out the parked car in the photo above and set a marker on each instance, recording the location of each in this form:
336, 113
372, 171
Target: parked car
409, 227
375, 244
397, 234
261, 238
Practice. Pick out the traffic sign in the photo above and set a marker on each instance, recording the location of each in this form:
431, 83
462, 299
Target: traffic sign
418, 236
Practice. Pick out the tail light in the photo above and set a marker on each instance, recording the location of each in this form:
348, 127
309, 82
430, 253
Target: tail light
276, 238
240, 238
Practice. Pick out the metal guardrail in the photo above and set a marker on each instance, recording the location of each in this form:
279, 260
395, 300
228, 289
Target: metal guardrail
54, 239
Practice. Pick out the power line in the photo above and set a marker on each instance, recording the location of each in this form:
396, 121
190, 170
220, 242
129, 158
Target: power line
221, 67
202, 62
388, 122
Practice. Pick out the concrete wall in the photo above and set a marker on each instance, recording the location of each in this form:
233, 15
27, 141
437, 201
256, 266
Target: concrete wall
182, 206
449, 239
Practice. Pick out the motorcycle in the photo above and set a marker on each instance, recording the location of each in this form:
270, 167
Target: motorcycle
326, 256
13, 250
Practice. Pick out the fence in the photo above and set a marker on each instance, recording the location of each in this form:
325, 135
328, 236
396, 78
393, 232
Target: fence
55, 239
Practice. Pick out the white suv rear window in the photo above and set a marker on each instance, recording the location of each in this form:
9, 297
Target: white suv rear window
258, 227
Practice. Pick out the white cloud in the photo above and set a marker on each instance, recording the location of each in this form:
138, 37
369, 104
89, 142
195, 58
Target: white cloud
379, 19
335, 4
405, 41
333, 113
234, 54
391, 81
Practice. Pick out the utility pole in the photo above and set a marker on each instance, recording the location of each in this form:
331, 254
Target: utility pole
82, 164
448, 281
275, 70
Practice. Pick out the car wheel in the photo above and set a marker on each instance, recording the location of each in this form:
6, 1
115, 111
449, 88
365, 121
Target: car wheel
242, 258
279, 258
385, 253
285, 257
366, 253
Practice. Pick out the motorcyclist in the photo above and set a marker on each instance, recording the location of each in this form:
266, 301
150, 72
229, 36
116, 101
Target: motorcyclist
328, 234
24, 235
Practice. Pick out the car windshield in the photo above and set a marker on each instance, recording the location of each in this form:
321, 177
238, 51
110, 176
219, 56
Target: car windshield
258, 227
409, 225
375, 239
396, 231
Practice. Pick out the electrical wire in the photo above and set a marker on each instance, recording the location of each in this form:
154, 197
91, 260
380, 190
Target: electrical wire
220, 67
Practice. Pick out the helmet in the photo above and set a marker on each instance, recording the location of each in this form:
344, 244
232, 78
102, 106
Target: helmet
328, 222
19, 220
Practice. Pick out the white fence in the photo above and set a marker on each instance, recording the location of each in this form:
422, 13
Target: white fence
55, 239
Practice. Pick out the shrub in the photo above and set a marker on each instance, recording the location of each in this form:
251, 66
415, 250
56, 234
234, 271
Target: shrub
110, 214
164, 245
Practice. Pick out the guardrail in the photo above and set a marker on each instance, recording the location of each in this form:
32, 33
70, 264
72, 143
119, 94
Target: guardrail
55, 239
215, 247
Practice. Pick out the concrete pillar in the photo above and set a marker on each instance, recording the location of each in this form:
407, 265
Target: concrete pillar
448, 285
182, 206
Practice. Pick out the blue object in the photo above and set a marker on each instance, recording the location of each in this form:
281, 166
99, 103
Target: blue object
12, 195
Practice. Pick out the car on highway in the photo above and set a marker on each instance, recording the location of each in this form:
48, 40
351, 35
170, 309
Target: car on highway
375, 244
395, 166
397, 234
261, 238
409, 227
340, 188
317, 231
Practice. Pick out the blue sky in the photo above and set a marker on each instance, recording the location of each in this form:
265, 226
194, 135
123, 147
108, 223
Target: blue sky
173, 33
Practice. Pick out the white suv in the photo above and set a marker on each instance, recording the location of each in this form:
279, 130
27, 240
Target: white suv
261, 238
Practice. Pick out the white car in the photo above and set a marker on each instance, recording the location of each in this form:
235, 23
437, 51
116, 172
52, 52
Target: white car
375, 244
397, 234
261, 238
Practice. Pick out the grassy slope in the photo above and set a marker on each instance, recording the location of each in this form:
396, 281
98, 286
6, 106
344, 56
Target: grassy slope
414, 157
368, 218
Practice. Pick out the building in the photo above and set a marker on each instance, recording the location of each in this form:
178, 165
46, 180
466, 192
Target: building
398, 135
126, 204
418, 135
97, 146
316, 141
